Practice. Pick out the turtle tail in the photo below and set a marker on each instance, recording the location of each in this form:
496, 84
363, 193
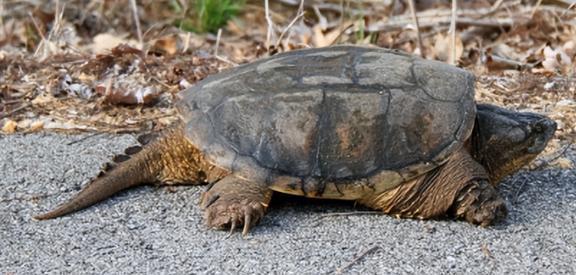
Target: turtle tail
138, 166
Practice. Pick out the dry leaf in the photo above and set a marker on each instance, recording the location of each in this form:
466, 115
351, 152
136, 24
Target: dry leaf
36, 125
167, 45
321, 39
9, 127
569, 48
563, 163
442, 48
126, 92
556, 60
104, 42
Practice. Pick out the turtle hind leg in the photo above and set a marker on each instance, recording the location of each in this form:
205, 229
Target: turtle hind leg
233, 202
458, 188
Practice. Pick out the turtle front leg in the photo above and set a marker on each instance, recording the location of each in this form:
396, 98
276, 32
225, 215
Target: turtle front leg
479, 203
233, 201
458, 188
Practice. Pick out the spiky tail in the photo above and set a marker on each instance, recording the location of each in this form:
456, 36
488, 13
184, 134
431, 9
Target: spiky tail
137, 167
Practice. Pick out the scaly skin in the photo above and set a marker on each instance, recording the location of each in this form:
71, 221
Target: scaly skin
463, 187
234, 201
459, 187
170, 159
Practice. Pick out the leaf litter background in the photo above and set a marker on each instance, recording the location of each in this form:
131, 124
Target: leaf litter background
105, 66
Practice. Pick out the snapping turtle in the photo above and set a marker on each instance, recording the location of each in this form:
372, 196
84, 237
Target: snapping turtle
389, 130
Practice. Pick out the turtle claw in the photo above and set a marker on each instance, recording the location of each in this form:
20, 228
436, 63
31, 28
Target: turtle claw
481, 205
228, 205
247, 225
224, 214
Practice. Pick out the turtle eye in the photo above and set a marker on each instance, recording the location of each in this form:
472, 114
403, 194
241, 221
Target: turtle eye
538, 128
543, 126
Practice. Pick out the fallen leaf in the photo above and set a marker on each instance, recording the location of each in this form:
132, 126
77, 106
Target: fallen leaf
563, 163
167, 45
9, 127
556, 60
36, 125
442, 47
104, 42
126, 92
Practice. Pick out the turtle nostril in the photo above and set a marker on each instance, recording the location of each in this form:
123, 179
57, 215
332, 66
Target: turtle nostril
545, 125
538, 128
552, 125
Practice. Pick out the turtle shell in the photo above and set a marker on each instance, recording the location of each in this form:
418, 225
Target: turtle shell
330, 118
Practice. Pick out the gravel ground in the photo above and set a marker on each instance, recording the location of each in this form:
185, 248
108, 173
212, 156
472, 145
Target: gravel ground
160, 230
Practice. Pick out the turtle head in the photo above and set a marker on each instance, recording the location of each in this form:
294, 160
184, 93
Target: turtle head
505, 140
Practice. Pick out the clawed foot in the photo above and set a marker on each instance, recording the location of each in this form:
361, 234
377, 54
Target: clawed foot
480, 204
231, 203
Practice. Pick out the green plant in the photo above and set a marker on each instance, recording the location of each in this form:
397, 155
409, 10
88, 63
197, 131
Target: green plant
208, 15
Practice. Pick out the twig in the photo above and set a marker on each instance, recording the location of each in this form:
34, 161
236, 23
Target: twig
1, 16
535, 8
358, 258
462, 22
517, 193
298, 16
224, 59
84, 138
546, 162
452, 59
495, 62
567, 9
56, 28
187, 43
137, 21
39, 30
270, 24
343, 29
355, 213
218, 36
465, 18
493, 9
23, 106
417, 26
332, 7
221, 58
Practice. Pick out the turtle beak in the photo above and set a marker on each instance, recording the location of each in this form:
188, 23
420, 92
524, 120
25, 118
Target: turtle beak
543, 130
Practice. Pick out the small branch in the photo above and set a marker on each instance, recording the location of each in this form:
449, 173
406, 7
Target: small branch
137, 21
353, 213
20, 108
547, 162
535, 8
218, 36
452, 59
495, 62
298, 16
221, 58
567, 9
358, 258
330, 7
465, 18
462, 22
417, 26
224, 59
270, 24
495, 7
187, 42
